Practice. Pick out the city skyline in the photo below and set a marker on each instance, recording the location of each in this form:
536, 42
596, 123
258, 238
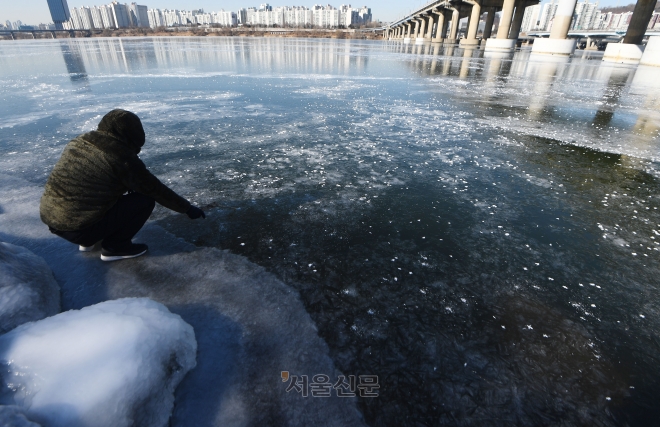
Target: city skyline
33, 12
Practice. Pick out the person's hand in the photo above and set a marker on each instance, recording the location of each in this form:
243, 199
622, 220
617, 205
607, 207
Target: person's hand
194, 212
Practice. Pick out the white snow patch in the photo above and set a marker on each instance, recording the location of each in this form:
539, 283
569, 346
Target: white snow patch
112, 364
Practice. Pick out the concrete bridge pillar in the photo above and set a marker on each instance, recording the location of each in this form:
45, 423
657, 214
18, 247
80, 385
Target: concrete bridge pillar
442, 28
591, 44
421, 29
640, 19
453, 32
630, 50
502, 42
429, 30
490, 18
514, 32
445, 26
473, 26
651, 54
505, 20
558, 44
562, 21
407, 31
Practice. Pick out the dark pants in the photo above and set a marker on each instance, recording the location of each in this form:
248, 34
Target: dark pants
117, 227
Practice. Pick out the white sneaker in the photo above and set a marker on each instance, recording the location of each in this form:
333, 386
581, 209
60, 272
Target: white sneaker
133, 251
82, 248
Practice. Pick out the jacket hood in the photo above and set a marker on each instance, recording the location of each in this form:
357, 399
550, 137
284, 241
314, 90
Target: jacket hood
124, 125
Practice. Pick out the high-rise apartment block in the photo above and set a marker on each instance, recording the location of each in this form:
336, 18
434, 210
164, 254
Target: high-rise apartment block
175, 18
59, 12
531, 18
587, 16
266, 16
118, 15
113, 15
547, 15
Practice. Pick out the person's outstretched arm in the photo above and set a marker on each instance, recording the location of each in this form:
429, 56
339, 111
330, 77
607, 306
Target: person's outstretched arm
137, 177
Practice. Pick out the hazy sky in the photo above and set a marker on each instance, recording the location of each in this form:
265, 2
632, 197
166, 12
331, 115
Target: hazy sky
36, 11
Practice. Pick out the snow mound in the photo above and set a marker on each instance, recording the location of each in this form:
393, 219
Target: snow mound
13, 416
116, 364
28, 290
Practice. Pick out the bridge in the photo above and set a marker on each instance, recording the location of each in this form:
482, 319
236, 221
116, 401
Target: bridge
437, 22
52, 33
590, 39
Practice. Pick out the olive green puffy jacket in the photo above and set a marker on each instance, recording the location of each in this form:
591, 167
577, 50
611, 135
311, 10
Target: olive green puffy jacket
96, 169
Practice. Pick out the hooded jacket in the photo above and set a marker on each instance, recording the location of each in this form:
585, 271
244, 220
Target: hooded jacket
96, 169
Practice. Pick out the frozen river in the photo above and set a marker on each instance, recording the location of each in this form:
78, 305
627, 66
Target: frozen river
481, 232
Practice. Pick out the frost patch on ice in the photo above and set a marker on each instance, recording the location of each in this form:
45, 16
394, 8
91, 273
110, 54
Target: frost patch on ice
113, 364
12, 121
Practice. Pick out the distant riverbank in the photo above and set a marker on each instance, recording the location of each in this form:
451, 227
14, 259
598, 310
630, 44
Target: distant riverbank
362, 34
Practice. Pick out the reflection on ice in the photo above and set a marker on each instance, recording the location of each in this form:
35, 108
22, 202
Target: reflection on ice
74, 62
646, 83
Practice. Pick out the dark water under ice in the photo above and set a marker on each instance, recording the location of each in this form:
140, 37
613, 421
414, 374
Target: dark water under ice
481, 232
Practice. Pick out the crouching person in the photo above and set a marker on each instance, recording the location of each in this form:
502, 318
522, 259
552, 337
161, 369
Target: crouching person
100, 190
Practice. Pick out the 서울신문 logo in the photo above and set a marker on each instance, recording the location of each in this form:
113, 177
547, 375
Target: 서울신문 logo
321, 386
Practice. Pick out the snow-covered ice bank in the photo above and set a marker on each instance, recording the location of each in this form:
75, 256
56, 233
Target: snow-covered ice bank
28, 291
249, 326
112, 364
13, 416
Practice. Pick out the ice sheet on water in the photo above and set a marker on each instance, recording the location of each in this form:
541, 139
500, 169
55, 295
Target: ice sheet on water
442, 142
114, 364
249, 326
28, 290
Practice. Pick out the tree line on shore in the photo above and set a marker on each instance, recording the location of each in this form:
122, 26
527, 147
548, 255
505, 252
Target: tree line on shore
202, 31
622, 9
